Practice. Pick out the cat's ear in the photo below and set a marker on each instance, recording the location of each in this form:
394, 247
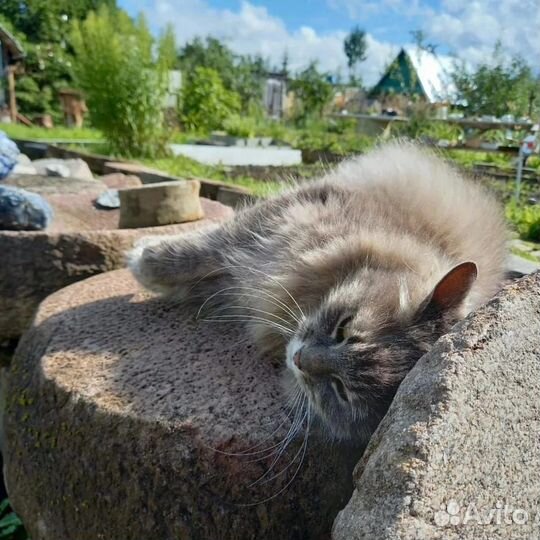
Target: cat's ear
451, 290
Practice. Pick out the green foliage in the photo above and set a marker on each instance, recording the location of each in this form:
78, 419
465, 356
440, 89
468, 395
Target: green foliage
314, 91
19, 131
238, 125
48, 68
345, 144
421, 125
468, 158
355, 47
206, 103
43, 28
184, 167
48, 20
11, 527
249, 75
526, 220
256, 125
124, 83
498, 88
210, 53
243, 75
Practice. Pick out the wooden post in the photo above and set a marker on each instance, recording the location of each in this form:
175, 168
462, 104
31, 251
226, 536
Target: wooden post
11, 90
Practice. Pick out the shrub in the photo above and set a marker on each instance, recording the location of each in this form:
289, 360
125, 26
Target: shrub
526, 219
241, 126
206, 103
313, 91
11, 527
124, 79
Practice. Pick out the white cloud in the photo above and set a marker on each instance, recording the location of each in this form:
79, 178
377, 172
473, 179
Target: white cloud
469, 28
253, 29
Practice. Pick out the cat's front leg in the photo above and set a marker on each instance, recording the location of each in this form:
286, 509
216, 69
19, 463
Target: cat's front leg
173, 265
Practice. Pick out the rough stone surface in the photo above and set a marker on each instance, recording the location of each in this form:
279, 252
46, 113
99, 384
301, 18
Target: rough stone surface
22, 210
108, 200
462, 437
164, 203
120, 181
146, 174
119, 409
65, 168
22, 168
82, 241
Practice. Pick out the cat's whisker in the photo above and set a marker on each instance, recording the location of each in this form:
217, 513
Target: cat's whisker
248, 319
274, 300
272, 278
257, 310
284, 470
304, 445
287, 440
282, 445
248, 451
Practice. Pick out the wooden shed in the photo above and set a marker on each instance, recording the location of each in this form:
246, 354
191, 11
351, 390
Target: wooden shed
11, 54
418, 72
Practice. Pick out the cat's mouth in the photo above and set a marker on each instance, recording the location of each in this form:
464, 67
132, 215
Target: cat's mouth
294, 364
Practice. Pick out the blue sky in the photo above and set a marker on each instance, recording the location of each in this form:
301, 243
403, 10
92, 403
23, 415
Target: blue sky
314, 29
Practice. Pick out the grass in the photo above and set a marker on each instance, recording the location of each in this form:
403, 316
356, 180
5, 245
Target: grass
188, 168
18, 131
11, 527
524, 254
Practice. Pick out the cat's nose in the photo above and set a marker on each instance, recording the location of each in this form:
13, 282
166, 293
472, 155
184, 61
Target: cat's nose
313, 361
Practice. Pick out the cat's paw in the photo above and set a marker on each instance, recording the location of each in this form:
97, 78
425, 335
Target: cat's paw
143, 260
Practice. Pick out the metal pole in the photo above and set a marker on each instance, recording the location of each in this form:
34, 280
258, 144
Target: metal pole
519, 173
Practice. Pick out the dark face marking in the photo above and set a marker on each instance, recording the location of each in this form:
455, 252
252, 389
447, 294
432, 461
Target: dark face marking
351, 376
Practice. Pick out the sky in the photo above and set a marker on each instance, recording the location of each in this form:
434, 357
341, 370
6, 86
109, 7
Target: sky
314, 29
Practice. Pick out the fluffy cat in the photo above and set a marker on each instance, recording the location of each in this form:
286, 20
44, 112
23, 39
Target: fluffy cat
350, 278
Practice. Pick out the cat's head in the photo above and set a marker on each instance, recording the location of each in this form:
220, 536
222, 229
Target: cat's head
350, 355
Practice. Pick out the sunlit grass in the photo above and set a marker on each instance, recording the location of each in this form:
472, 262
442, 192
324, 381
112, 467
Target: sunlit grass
185, 167
18, 131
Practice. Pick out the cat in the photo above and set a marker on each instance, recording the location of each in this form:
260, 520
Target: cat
350, 279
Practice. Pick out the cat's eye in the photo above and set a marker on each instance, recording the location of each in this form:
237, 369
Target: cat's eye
343, 331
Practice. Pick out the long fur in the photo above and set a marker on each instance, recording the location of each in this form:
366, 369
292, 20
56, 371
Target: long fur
372, 238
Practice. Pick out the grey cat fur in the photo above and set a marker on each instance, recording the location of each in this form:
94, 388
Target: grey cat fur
370, 242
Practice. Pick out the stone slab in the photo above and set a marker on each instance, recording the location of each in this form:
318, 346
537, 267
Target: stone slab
163, 203
82, 241
120, 410
457, 455
233, 155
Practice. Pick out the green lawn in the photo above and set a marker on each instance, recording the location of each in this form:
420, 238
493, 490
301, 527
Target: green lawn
188, 168
18, 131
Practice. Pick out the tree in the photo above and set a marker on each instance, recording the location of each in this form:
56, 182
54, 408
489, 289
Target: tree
43, 28
125, 82
313, 89
206, 103
355, 47
499, 87
48, 20
208, 53
419, 38
242, 74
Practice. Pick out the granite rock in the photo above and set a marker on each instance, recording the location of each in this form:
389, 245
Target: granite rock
22, 210
456, 456
82, 241
65, 168
121, 417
